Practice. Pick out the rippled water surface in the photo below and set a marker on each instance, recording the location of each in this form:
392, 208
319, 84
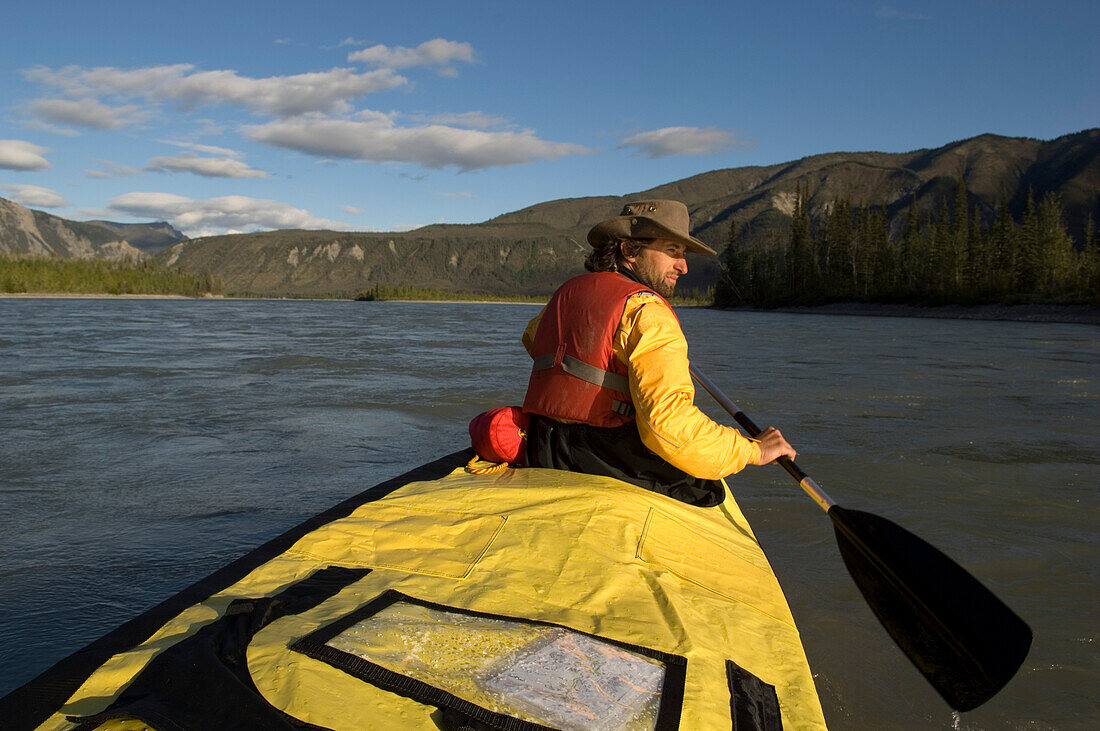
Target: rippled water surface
145, 443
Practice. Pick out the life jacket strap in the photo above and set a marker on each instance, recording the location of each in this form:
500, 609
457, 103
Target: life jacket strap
623, 408
584, 371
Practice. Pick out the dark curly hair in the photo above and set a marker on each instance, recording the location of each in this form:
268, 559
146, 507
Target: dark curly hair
607, 258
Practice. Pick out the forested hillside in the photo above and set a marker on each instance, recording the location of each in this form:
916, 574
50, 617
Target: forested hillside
953, 256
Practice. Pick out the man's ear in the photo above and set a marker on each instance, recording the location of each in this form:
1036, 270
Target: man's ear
622, 253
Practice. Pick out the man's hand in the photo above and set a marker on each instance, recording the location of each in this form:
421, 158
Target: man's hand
773, 446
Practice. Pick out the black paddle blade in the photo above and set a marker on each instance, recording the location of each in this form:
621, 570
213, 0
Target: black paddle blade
964, 640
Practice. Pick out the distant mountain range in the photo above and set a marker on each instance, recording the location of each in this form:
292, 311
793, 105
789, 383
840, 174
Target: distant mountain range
151, 238
27, 232
532, 250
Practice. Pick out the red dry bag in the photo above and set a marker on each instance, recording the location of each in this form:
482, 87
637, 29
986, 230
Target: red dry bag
500, 435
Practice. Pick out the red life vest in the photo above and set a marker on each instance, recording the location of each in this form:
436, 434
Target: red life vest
576, 376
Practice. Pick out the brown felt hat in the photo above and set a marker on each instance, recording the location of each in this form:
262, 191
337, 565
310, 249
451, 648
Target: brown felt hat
650, 220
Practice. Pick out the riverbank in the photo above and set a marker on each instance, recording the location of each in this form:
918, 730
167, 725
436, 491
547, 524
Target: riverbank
1073, 314
102, 296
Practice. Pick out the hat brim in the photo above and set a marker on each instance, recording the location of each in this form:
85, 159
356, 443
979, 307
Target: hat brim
640, 227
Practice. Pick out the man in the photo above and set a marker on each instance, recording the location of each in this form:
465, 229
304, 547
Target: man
610, 393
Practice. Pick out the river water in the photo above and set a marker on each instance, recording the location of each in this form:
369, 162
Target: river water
145, 443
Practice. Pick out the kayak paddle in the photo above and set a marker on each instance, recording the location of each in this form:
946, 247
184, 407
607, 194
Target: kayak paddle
964, 640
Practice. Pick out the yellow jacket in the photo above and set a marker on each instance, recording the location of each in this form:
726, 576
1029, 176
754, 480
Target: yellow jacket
650, 343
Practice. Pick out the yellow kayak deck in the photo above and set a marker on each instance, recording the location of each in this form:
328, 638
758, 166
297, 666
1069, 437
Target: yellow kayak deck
529, 598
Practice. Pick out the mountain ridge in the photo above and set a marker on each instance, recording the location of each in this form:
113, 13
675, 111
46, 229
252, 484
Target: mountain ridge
29, 232
533, 249
149, 237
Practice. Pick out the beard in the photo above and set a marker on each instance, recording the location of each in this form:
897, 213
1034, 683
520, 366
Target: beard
651, 277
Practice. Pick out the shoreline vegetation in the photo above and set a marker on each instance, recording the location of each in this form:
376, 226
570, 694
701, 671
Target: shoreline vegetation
1067, 314
40, 277
56, 275
1038, 313
379, 293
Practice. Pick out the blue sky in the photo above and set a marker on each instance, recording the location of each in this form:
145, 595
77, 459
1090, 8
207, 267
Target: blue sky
240, 116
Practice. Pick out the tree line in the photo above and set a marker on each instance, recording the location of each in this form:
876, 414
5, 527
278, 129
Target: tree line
99, 276
953, 257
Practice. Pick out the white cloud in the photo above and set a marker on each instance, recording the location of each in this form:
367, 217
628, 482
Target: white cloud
208, 167
111, 170
222, 214
208, 149
78, 81
20, 155
34, 195
87, 113
39, 126
375, 138
352, 210
436, 52
680, 141
888, 13
473, 120
327, 91
349, 41
285, 95
372, 116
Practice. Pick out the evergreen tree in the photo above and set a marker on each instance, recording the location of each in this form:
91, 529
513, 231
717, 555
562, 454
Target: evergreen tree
1089, 271
1029, 256
771, 272
958, 253
732, 282
800, 248
882, 254
940, 253
1091, 266
1003, 251
755, 272
976, 284
911, 251
837, 247
863, 254
1057, 255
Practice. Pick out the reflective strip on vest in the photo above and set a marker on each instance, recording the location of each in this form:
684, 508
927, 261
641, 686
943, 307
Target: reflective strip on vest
623, 408
584, 371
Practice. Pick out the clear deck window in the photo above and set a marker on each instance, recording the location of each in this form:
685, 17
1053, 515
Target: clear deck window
540, 673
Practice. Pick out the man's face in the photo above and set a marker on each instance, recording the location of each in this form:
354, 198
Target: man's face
659, 265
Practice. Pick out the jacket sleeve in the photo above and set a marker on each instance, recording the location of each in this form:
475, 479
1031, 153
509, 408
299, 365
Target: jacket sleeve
650, 343
528, 338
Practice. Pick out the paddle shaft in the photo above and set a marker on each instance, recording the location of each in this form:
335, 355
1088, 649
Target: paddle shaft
805, 481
